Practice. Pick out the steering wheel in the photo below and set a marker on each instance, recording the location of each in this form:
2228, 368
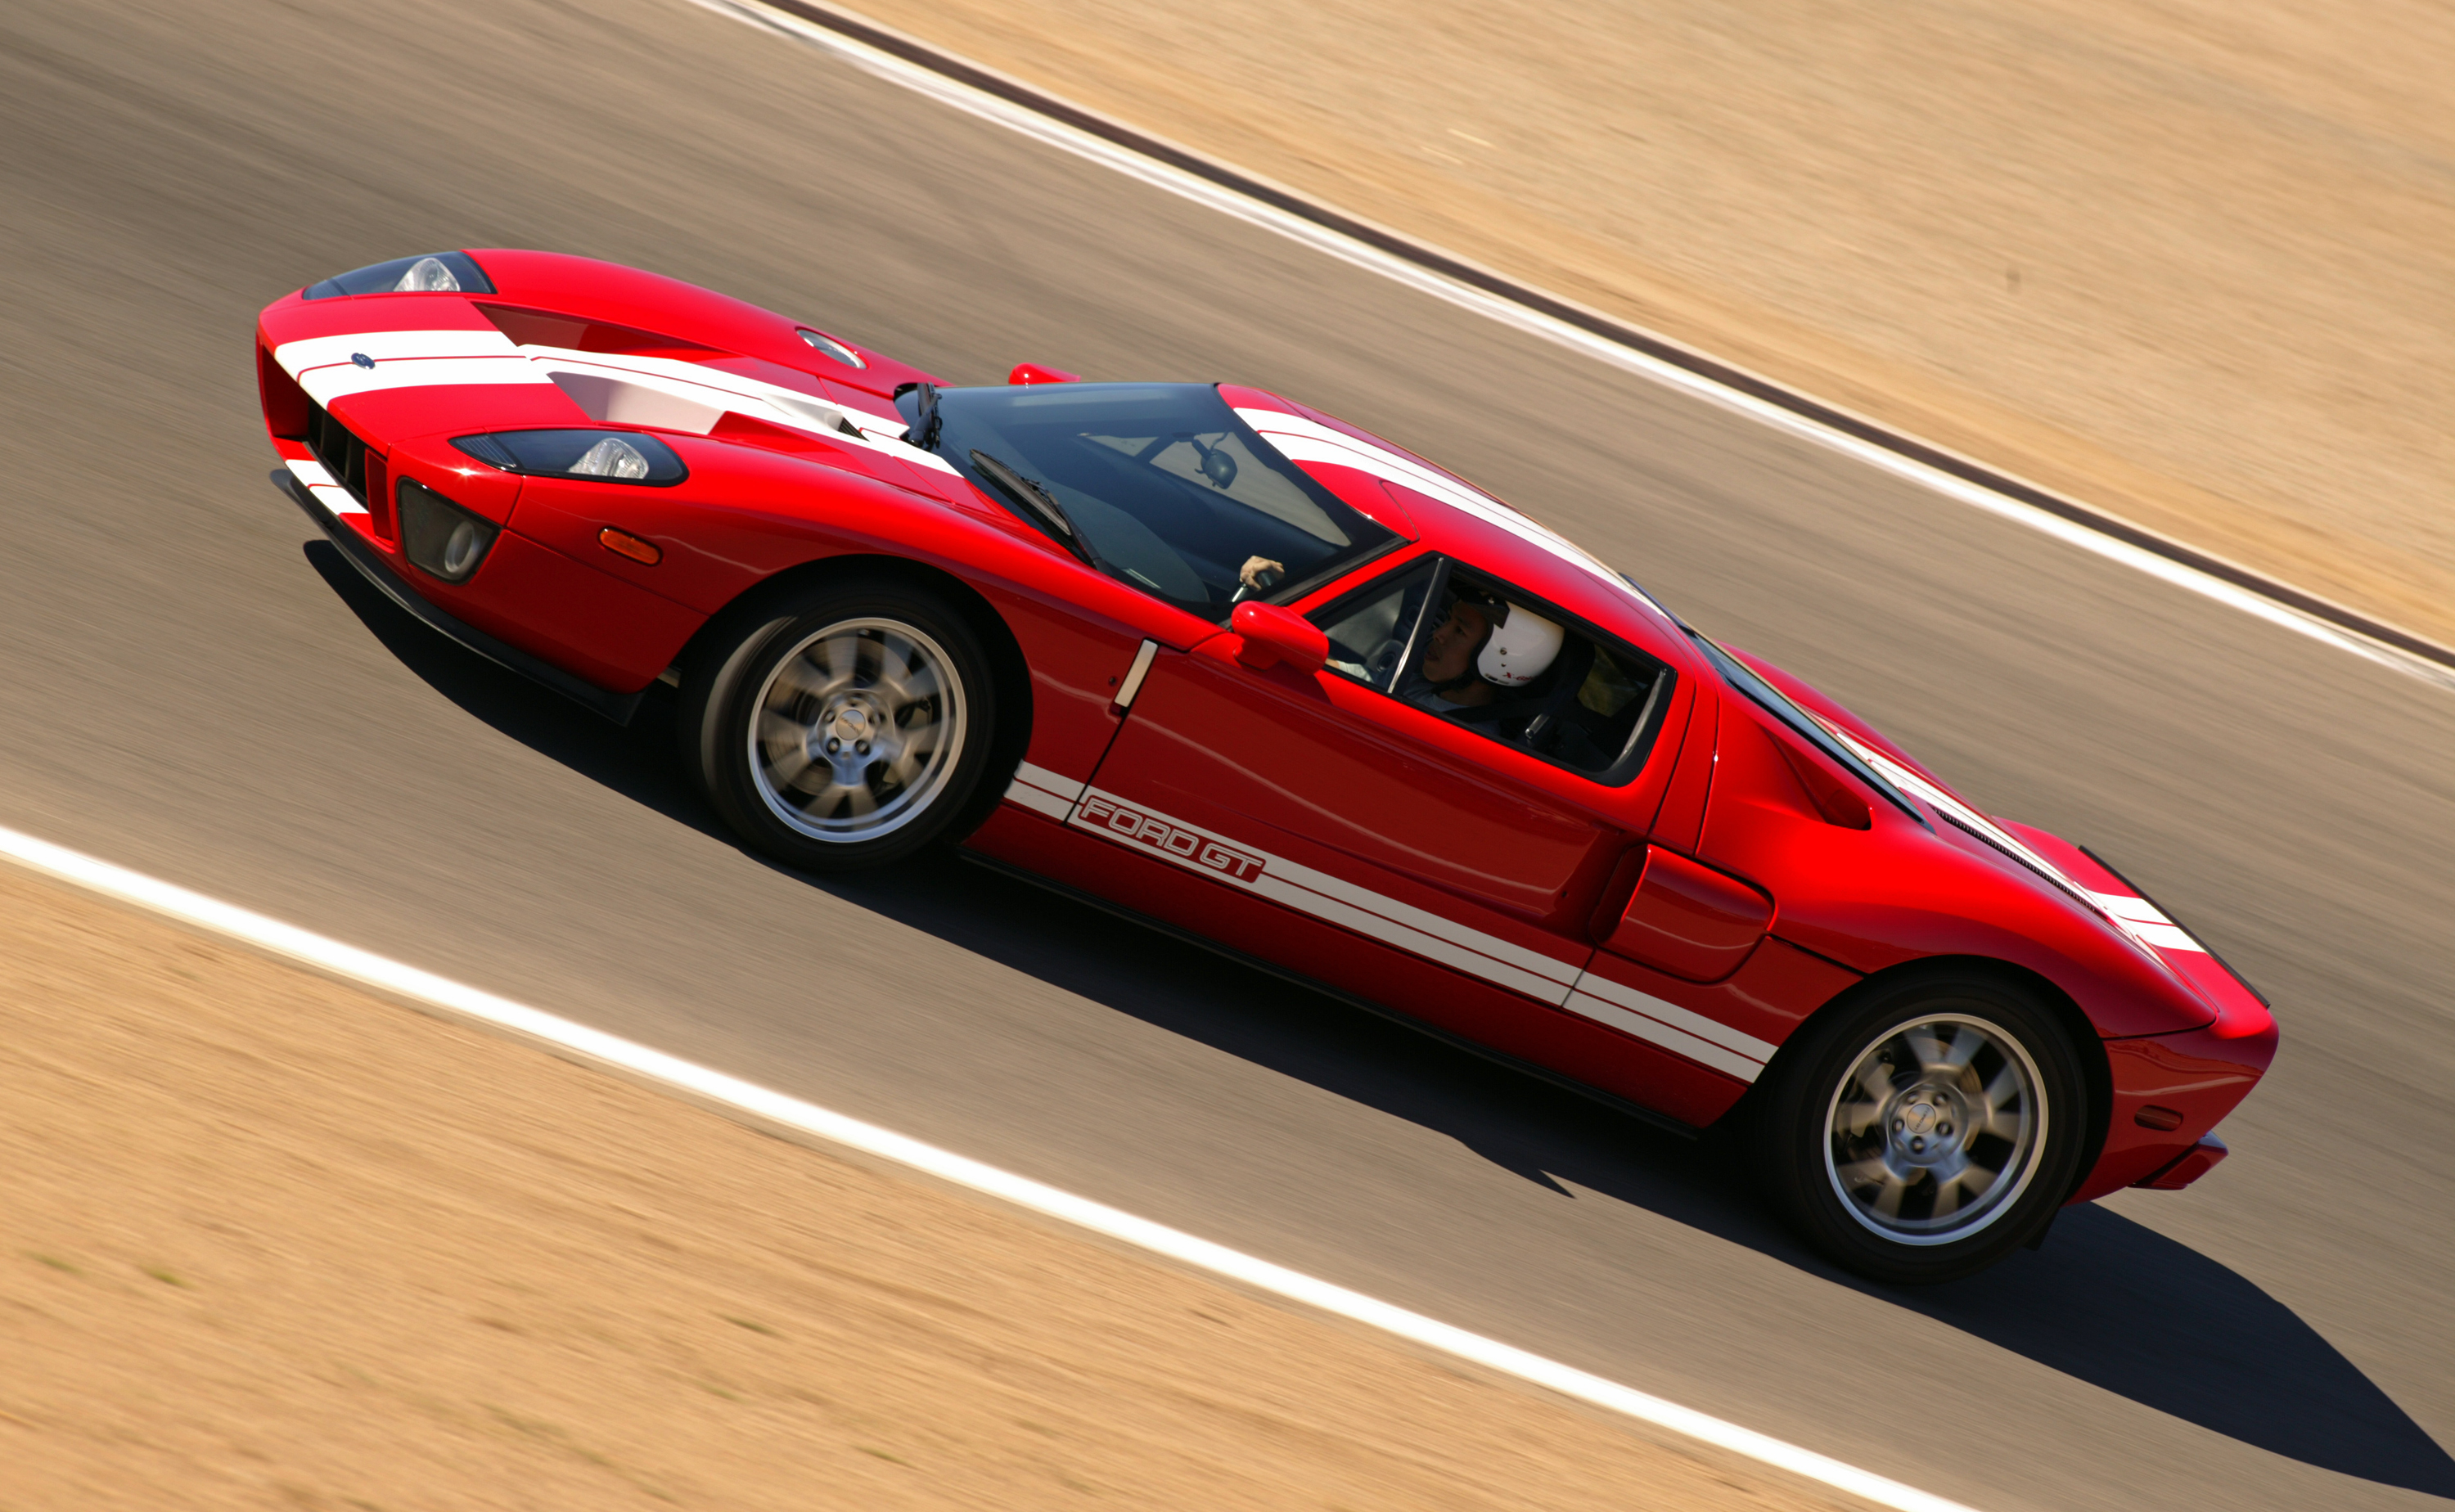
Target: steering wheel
1384, 662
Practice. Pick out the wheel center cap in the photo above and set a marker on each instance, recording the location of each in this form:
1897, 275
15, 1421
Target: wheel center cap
1920, 1117
850, 723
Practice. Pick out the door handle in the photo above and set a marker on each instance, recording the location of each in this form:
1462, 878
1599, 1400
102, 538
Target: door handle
1124, 698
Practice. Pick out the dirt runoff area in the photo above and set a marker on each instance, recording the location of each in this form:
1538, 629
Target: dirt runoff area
265, 1242
2191, 261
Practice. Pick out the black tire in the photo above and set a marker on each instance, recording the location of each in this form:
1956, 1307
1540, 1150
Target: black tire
842, 728
1904, 1167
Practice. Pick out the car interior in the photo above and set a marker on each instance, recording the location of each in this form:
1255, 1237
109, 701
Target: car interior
1591, 709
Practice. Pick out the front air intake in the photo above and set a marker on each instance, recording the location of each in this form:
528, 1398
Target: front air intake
335, 445
440, 536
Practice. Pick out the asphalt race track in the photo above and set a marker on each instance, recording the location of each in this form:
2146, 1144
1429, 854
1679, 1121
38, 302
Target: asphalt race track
195, 686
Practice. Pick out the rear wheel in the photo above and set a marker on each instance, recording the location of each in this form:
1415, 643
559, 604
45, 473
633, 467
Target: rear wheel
846, 728
1920, 1134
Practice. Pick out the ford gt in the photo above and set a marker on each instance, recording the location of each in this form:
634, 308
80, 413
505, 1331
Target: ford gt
1216, 659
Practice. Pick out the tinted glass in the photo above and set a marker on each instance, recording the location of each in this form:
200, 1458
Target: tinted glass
1369, 631
563, 451
1419, 634
1164, 485
377, 278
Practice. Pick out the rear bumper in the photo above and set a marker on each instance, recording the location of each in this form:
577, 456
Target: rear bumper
2168, 1092
618, 707
2187, 1167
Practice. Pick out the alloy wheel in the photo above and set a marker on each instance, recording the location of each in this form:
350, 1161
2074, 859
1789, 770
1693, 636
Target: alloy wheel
857, 731
1937, 1128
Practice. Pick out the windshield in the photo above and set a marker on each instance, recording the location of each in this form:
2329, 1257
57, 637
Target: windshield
1159, 485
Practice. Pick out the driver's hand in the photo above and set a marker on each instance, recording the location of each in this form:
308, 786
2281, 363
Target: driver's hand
1251, 573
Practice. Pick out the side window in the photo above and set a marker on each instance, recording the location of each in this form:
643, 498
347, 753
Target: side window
1370, 628
1473, 650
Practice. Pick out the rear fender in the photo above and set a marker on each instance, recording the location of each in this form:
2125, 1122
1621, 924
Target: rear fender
1897, 892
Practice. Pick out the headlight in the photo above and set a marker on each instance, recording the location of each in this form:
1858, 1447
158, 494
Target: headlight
443, 272
605, 457
439, 535
427, 277
612, 458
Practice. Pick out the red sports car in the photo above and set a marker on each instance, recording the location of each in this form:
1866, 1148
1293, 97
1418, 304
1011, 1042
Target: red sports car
1218, 659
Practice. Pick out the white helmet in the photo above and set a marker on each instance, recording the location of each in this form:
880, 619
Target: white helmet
1522, 647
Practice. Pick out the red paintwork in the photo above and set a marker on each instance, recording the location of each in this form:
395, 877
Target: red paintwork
1680, 818
1336, 777
436, 462
2201, 1075
1269, 635
615, 635
1033, 372
1366, 969
1767, 998
1250, 796
646, 301
1689, 920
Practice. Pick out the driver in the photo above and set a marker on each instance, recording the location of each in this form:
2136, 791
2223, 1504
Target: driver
1486, 645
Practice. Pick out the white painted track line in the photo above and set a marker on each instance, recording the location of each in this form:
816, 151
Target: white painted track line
396, 979
1346, 249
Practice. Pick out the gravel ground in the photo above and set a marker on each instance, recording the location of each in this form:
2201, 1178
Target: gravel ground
267, 1242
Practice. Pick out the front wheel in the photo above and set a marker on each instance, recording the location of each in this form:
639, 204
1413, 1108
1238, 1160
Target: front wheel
1921, 1133
846, 728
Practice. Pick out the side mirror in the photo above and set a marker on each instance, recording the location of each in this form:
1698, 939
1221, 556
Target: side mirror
1029, 373
1274, 635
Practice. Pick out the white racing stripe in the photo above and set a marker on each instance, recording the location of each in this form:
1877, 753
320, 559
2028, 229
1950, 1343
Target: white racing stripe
1653, 1031
2135, 917
2146, 919
1420, 931
1302, 440
717, 391
387, 346
337, 381
777, 1110
1688, 1025
319, 483
609, 388
1044, 791
1346, 249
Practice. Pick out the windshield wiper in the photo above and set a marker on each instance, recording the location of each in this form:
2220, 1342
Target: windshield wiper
1039, 500
925, 419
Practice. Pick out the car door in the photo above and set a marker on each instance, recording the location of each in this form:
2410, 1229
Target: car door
1427, 863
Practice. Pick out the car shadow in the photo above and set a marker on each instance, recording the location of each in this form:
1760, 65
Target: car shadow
2107, 1301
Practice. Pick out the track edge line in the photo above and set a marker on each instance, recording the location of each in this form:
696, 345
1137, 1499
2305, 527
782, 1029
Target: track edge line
733, 1094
